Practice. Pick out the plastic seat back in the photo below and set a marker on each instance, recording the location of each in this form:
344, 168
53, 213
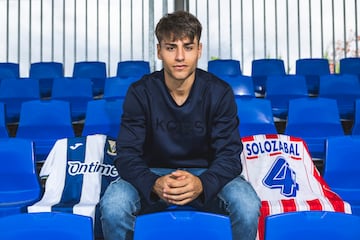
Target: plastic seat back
103, 117
312, 225
9, 70
263, 68
350, 65
4, 133
116, 87
356, 124
132, 68
77, 91
180, 224
242, 85
46, 225
44, 122
341, 168
19, 181
281, 89
95, 70
345, 89
45, 72
314, 120
312, 69
255, 116
15, 91
224, 67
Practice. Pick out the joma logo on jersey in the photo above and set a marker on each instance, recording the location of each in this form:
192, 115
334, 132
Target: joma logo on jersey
76, 167
281, 176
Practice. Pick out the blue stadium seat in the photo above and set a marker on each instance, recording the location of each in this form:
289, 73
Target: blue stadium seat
15, 91
77, 91
344, 88
132, 68
9, 70
312, 69
342, 167
116, 87
261, 69
95, 70
46, 225
45, 72
255, 116
312, 225
314, 120
182, 224
281, 89
350, 65
44, 122
4, 133
103, 117
356, 123
242, 85
19, 184
224, 67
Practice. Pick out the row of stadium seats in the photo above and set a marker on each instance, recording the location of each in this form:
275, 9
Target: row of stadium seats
345, 89
193, 225
13, 92
310, 68
44, 121
262, 69
96, 71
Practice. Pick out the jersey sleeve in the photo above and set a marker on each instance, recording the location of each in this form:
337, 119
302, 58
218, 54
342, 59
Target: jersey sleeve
59, 148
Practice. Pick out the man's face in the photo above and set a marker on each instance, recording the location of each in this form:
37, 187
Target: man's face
179, 57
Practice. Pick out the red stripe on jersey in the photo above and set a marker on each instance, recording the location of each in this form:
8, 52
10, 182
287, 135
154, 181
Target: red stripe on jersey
271, 136
288, 205
314, 204
247, 139
264, 211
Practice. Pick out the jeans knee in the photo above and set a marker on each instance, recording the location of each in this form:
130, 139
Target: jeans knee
119, 199
242, 199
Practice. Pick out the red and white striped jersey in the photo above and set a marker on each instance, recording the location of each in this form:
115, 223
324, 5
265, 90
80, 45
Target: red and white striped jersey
282, 172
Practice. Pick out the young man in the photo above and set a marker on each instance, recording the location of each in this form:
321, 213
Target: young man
179, 142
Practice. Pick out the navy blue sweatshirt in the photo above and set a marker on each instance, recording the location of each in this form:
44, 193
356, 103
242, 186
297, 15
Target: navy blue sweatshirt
201, 133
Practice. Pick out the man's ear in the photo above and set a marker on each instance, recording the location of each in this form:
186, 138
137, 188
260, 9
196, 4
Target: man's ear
200, 50
158, 47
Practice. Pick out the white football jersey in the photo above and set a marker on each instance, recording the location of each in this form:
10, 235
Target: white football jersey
77, 171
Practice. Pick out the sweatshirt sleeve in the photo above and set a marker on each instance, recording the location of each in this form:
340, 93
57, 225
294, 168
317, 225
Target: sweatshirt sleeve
227, 146
129, 162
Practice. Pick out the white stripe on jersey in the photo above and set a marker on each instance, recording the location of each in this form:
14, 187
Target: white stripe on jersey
90, 193
54, 169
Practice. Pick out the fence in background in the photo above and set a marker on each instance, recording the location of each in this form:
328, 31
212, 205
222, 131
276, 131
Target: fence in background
110, 30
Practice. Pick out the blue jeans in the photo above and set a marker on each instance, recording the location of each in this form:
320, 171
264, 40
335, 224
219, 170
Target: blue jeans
121, 204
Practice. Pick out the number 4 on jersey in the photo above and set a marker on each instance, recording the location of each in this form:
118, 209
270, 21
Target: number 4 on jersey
283, 177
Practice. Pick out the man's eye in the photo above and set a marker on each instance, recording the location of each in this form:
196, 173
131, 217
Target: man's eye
170, 48
189, 48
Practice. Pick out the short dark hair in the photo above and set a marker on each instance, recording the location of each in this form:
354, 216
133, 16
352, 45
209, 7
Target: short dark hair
178, 25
